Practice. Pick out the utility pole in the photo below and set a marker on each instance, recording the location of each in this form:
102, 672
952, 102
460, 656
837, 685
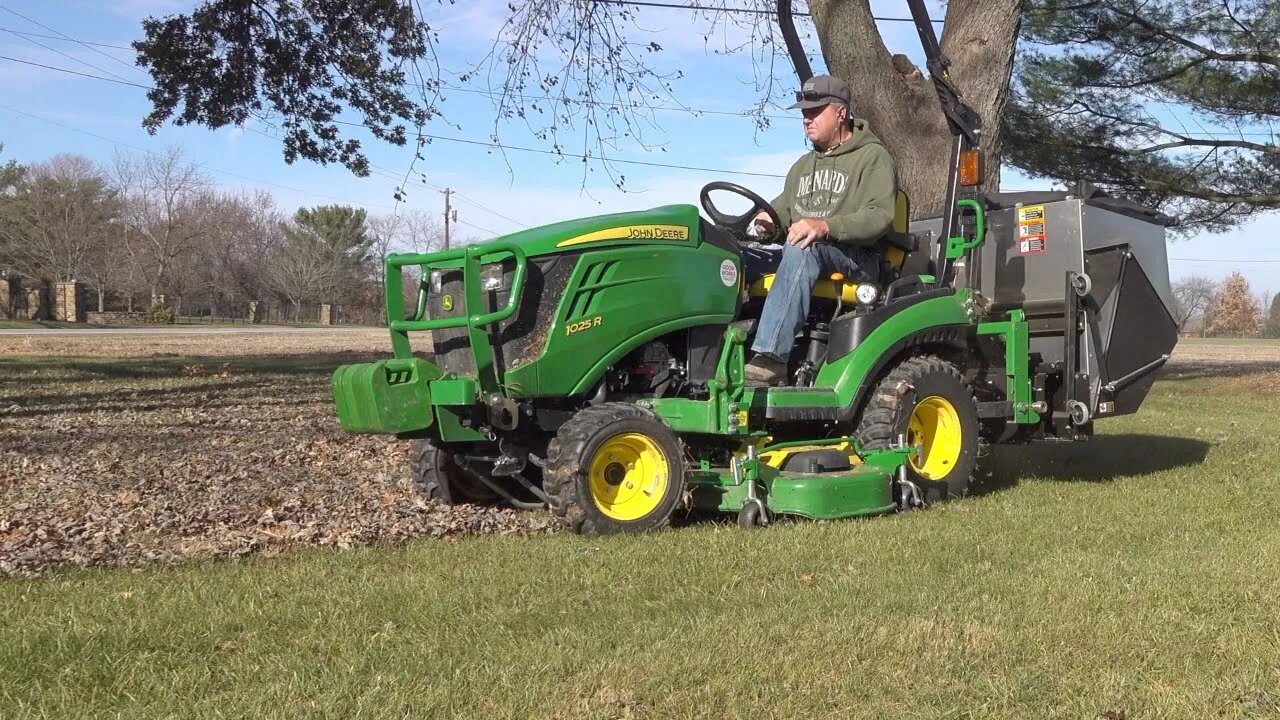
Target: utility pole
449, 215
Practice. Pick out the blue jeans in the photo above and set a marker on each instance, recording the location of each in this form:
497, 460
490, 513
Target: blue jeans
796, 272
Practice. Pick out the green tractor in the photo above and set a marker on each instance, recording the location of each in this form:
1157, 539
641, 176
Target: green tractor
595, 366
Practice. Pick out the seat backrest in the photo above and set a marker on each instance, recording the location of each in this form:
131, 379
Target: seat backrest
901, 222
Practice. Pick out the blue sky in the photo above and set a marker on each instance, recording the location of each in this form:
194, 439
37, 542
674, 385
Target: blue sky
43, 112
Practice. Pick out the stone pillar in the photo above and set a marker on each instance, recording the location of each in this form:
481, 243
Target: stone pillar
38, 302
326, 314
8, 292
67, 305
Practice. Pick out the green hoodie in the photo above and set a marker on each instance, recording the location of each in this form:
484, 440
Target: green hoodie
853, 188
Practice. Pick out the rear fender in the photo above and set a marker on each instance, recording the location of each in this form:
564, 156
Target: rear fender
938, 321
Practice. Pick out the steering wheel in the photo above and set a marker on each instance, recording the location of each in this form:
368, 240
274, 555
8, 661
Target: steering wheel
738, 224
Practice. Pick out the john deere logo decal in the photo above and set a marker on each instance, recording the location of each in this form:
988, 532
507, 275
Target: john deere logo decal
446, 302
631, 232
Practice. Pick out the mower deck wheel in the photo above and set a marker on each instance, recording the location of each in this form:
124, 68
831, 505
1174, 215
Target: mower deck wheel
751, 516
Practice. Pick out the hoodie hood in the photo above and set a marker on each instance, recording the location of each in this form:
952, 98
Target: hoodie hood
862, 136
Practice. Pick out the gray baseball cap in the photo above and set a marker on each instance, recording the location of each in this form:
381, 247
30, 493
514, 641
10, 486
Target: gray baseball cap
821, 90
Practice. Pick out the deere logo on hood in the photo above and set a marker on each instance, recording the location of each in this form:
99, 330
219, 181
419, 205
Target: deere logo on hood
446, 302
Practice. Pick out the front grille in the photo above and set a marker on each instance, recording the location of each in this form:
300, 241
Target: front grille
520, 338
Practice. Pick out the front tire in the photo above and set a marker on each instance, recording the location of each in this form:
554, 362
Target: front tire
614, 468
926, 399
439, 477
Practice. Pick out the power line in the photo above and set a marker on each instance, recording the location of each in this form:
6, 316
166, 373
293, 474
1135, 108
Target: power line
390, 174
491, 93
477, 227
69, 57
488, 209
743, 11
76, 72
589, 157
422, 181
465, 141
600, 103
150, 152
64, 37
575, 156
68, 37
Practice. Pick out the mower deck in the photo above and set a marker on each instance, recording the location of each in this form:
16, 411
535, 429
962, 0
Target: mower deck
861, 490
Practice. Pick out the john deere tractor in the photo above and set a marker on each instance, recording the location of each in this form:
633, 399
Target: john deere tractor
595, 366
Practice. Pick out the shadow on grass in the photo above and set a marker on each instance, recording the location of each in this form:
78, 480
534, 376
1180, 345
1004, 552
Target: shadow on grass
1102, 458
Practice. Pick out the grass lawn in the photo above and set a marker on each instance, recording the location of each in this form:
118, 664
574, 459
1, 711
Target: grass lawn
1134, 576
7, 324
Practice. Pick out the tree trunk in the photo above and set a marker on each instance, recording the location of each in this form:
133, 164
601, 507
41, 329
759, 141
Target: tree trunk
101, 299
899, 102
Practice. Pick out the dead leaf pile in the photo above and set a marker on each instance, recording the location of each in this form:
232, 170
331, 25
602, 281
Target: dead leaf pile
103, 470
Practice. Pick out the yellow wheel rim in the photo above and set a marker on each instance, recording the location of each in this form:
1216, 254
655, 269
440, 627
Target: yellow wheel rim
935, 427
628, 476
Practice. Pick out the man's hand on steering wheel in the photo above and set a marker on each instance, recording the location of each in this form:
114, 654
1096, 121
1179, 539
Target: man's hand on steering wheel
738, 224
764, 225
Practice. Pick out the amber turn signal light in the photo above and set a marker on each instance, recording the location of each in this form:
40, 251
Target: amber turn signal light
970, 167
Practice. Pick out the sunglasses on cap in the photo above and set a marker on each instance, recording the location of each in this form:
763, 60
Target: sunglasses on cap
814, 95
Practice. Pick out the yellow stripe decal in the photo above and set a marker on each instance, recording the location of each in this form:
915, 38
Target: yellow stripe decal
631, 232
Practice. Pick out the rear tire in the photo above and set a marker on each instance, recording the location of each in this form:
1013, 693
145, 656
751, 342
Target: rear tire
439, 477
614, 468
926, 399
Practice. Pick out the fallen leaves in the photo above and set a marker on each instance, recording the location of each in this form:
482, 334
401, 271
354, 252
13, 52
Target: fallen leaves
97, 470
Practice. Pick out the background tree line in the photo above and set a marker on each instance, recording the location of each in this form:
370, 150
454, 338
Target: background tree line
1228, 308
153, 225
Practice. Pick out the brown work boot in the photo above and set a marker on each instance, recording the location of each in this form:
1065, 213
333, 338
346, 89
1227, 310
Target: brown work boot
764, 371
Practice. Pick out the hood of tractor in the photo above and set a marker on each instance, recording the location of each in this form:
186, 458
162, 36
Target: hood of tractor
669, 224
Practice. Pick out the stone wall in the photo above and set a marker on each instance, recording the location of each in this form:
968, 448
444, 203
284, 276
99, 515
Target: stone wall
116, 318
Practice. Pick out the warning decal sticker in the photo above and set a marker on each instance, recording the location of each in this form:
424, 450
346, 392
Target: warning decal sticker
1031, 230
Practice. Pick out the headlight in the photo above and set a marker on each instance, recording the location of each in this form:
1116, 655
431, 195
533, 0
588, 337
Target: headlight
437, 281
492, 278
866, 293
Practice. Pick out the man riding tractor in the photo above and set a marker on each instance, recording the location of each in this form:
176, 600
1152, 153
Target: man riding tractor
837, 203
